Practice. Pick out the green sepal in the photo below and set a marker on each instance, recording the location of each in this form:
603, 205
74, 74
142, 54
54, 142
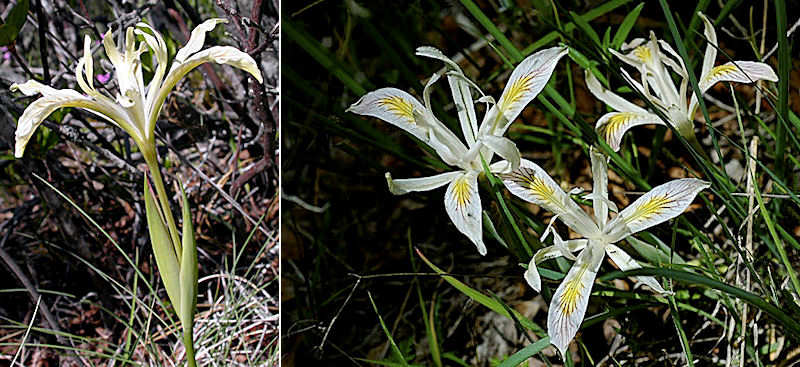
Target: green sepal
166, 259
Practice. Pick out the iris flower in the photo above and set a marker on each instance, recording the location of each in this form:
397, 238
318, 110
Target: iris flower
599, 234
462, 202
653, 59
135, 108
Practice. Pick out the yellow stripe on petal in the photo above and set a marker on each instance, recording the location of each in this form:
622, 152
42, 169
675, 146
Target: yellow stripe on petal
461, 191
572, 292
643, 54
719, 71
617, 122
399, 107
657, 205
518, 88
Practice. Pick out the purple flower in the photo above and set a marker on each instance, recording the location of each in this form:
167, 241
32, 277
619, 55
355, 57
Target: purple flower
103, 78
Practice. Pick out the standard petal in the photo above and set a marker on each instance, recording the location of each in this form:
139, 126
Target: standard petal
531, 183
463, 205
711, 48
526, 82
613, 125
547, 253
625, 263
571, 298
660, 204
505, 148
599, 187
197, 39
608, 97
406, 185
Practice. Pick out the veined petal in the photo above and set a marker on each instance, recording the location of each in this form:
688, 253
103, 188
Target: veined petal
735, 71
660, 204
505, 148
501, 167
463, 205
406, 185
393, 106
613, 125
599, 187
550, 252
218, 54
53, 99
197, 39
571, 298
625, 263
531, 183
610, 98
525, 83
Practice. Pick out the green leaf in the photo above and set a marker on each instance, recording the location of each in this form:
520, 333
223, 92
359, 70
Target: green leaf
395, 348
483, 299
13, 24
166, 260
585, 27
626, 26
523, 354
188, 276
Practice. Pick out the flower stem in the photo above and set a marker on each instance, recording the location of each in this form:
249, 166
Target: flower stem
155, 173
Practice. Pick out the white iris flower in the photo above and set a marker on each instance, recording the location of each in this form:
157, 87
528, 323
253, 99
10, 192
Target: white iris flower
462, 202
653, 59
531, 183
136, 107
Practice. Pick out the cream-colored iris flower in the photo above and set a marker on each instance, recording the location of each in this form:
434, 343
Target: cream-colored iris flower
136, 107
462, 201
654, 59
531, 183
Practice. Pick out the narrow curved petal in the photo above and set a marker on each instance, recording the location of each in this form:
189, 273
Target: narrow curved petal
625, 263
406, 185
218, 54
660, 204
197, 39
446, 143
463, 205
571, 298
608, 97
531, 183
613, 125
84, 73
525, 83
53, 99
710, 55
532, 276
460, 88
599, 187
156, 43
505, 148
